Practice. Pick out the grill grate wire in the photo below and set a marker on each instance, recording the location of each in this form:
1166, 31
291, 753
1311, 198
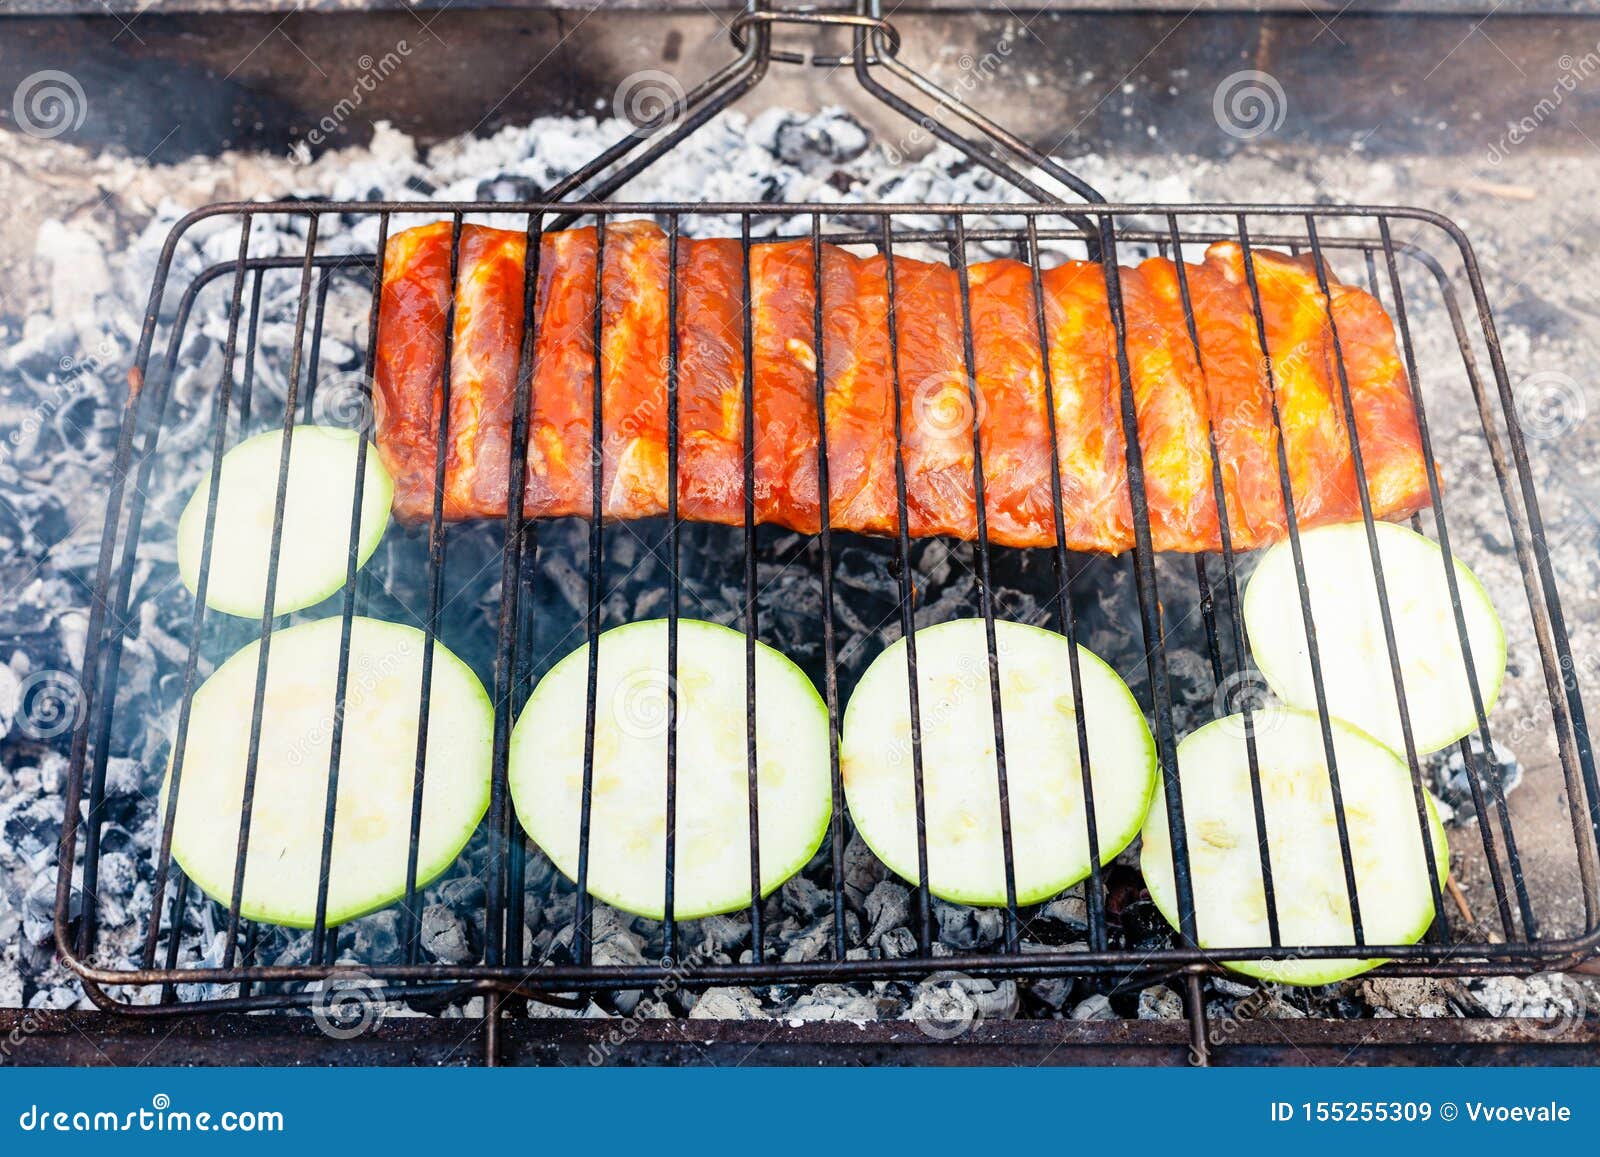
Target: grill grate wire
1102, 230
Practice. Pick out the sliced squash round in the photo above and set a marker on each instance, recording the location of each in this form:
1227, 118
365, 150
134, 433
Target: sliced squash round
1049, 832
628, 819
315, 543
372, 820
1351, 643
1308, 881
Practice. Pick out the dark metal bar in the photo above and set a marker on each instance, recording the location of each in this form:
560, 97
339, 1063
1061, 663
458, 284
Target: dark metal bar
1144, 573
908, 618
519, 532
830, 666
219, 436
1363, 493
1230, 572
1422, 959
674, 594
412, 921
1474, 770
258, 706
522, 672
180, 900
958, 260
248, 382
1309, 623
1588, 871
1065, 620
314, 365
348, 606
1194, 1005
581, 936
748, 403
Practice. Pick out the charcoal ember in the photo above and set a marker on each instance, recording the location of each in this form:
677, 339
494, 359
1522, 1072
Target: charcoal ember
31, 833
1412, 996
1062, 919
10, 698
831, 136
1451, 780
538, 1010
728, 1004
804, 899
810, 943
39, 906
446, 935
900, 943
32, 608
888, 906
1052, 991
723, 933
1234, 988
509, 187
951, 997
375, 938
540, 945
124, 777
966, 928
1235, 1001
832, 1002
57, 999
46, 343
862, 872
1158, 1002
114, 886
614, 940
1094, 1007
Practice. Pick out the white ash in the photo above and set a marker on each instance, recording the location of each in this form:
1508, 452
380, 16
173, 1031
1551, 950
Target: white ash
1158, 1002
1416, 996
61, 376
1554, 997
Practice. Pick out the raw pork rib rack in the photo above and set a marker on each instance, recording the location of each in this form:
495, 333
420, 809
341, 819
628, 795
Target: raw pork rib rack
970, 340
1402, 256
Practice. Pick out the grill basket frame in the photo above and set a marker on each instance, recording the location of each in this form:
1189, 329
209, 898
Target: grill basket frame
1104, 230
